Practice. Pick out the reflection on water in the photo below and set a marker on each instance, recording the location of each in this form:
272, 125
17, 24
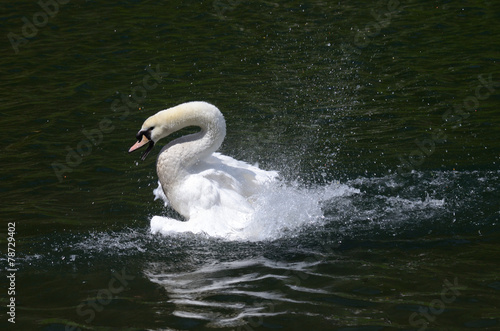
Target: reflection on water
227, 294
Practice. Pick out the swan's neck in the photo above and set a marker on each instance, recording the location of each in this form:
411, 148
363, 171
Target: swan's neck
178, 157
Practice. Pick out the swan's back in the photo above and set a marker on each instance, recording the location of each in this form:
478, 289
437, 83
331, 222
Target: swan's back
216, 198
221, 181
249, 177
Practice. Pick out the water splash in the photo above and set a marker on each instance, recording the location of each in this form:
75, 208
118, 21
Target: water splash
360, 210
280, 210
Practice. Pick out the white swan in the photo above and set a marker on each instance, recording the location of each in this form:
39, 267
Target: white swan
213, 192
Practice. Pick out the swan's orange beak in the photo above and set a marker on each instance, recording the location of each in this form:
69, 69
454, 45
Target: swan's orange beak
139, 144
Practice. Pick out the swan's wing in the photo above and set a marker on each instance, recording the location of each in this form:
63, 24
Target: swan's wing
252, 177
159, 194
213, 187
213, 200
215, 197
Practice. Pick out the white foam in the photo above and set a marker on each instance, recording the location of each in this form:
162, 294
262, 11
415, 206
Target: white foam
279, 211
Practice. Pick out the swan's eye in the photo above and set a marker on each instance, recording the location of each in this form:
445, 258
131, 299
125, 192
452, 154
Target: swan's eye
151, 128
147, 134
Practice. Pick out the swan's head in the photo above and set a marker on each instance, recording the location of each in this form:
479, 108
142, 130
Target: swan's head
166, 122
151, 131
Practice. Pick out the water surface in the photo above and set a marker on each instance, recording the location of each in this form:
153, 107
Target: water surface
382, 119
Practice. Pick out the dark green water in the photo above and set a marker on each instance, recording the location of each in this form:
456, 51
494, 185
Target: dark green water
382, 118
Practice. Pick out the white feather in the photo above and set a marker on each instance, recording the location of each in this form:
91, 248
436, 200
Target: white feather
213, 192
